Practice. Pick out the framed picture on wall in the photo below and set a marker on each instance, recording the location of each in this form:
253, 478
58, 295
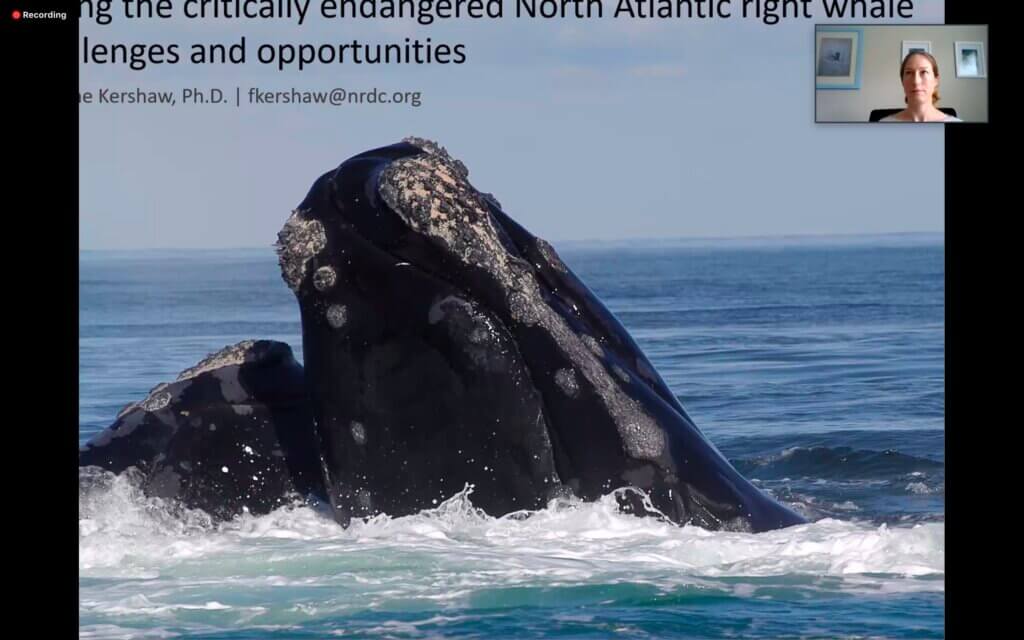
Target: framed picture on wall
970, 59
913, 46
838, 57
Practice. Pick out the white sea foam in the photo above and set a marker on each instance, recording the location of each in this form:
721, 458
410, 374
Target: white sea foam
920, 488
296, 564
119, 528
115, 632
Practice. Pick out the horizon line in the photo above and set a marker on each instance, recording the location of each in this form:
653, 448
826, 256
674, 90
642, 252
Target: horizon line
580, 241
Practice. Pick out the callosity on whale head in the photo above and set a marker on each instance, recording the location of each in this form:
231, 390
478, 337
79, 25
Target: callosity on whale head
231, 434
444, 345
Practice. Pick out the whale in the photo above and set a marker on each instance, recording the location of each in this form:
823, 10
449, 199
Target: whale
231, 434
445, 346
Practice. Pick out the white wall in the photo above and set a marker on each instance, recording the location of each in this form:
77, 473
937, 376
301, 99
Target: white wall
880, 77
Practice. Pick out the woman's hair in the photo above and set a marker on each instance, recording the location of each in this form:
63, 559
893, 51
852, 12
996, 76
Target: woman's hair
935, 69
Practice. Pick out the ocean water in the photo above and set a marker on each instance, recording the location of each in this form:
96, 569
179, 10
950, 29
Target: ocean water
815, 365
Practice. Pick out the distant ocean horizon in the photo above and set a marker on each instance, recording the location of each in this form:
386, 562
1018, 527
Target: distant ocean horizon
896, 238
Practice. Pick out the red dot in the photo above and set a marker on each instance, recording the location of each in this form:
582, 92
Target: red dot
16, 14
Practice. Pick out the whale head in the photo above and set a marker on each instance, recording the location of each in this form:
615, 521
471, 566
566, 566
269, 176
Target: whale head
445, 345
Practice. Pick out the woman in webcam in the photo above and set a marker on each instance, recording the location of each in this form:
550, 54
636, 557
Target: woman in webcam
920, 76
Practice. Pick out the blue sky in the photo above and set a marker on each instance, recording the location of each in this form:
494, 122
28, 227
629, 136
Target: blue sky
603, 129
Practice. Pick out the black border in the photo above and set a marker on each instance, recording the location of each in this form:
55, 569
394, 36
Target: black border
41, 175
979, 491
901, 25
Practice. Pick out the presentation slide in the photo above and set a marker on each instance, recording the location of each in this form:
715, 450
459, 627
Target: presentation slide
512, 318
